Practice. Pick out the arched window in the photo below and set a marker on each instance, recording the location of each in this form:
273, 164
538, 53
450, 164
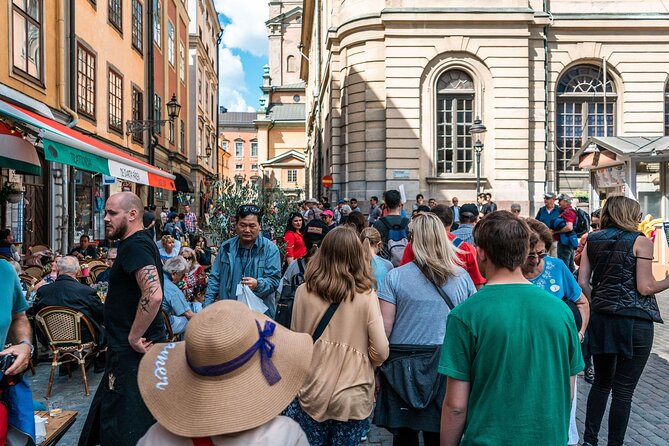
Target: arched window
581, 102
455, 114
666, 110
290, 64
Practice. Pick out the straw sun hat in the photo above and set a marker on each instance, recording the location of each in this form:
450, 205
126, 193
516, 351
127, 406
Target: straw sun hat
236, 370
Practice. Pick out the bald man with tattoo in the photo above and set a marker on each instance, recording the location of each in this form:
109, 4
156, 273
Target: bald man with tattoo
118, 415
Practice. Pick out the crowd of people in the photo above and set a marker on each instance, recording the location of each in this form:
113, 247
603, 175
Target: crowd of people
458, 324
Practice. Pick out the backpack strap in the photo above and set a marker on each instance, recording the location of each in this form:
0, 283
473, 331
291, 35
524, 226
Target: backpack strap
325, 320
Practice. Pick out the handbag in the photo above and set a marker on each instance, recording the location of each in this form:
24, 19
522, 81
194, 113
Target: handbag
284, 307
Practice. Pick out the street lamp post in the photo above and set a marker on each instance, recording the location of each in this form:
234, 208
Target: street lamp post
477, 131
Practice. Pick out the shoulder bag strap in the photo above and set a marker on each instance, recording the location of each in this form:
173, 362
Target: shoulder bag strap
325, 320
300, 265
442, 293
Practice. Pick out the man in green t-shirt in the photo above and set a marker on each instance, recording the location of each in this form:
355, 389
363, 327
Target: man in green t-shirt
511, 351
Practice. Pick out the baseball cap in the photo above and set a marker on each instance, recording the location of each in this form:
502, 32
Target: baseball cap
312, 200
314, 232
564, 197
328, 213
469, 208
341, 202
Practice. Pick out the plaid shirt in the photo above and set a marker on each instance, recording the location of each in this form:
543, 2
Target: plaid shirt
191, 222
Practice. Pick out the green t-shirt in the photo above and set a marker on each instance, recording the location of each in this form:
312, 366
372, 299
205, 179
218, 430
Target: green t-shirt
12, 300
518, 346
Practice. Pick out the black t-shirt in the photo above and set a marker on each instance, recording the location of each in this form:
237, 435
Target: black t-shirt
148, 218
135, 252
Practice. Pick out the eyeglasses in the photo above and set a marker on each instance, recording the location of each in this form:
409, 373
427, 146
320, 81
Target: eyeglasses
188, 258
249, 209
537, 255
594, 225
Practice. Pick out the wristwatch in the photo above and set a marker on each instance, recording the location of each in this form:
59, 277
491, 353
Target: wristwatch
32, 348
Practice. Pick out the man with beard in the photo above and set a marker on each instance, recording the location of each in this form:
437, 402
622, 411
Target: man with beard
118, 415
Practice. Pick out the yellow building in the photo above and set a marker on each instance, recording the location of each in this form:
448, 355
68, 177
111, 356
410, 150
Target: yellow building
281, 116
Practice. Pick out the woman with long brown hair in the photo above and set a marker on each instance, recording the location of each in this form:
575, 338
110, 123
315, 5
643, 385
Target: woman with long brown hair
416, 299
616, 275
337, 305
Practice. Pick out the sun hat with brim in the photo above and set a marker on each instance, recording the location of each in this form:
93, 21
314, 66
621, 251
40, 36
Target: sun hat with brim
236, 371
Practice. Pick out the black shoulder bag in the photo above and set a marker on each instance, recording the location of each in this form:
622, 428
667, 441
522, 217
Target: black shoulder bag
441, 292
284, 307
325, 320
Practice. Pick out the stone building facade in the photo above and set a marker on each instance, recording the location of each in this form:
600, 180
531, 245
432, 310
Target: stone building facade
394, 85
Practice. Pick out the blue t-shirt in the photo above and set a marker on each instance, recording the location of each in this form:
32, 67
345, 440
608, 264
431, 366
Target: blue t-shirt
420, 314
174, 303
380, 268
12, 300
547, 217
557, 280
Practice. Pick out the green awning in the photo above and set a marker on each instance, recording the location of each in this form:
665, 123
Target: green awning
61, 153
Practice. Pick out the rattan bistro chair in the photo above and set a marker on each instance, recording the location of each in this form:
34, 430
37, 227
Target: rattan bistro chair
62, 328
36, 271
96, 270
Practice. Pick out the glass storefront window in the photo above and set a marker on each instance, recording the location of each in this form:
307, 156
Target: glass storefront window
648, 188
90, 196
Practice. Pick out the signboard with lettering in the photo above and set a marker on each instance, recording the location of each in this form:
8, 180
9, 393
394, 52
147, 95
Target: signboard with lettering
61, 153
401, 174
129, 173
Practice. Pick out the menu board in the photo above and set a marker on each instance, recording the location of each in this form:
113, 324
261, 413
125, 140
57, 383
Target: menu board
610, 177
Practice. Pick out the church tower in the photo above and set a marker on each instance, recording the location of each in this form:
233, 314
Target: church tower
284, 28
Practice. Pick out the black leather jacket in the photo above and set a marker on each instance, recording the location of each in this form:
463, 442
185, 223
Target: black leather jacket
614, 290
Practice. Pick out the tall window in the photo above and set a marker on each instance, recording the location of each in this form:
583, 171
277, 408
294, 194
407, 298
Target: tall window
137, 112
225, 145
116, 14
254, 148
182, 135
115, 101
157, 111
170, 43
171, 131
581, 112
27, 38
666, 110
455, 115
292, 175
239, 148
85, 81
182, 62
157, 22
137, 29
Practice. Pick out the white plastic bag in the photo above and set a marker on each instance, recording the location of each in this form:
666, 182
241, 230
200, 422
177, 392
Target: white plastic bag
251, 300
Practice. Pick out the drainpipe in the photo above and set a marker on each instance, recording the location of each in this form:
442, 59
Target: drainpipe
61, 60
319, 167
150, 88
546, 114
218, 99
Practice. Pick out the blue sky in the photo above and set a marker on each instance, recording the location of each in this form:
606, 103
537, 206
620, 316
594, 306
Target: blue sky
243, 52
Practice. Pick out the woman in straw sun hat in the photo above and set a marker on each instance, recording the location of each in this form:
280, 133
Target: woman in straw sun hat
338, 395
227, 383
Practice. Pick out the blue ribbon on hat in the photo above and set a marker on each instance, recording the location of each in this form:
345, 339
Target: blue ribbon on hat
263, 344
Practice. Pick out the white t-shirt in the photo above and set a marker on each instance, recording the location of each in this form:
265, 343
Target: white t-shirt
278, 431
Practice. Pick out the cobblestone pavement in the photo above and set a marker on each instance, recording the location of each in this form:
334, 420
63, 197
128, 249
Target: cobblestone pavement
649, 422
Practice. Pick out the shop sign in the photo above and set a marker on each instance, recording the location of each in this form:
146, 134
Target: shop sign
129, 173
610, 177
61, 153
108, 180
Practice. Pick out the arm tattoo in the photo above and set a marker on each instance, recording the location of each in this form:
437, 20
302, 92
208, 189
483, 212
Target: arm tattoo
149, 283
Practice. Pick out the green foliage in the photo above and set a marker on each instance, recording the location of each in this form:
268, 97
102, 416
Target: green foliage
229, 195
582, 196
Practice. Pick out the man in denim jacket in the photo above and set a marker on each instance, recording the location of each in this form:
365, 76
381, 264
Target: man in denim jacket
247, 259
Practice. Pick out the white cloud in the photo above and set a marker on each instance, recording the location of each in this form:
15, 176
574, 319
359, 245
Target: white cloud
231, 82
246, 30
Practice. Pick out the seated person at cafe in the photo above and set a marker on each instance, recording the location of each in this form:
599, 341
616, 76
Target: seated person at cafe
85, 248
168, 247
174, 301
7, 248
67, 291
104, 275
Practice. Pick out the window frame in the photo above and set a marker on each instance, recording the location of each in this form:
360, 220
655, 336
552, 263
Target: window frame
584, 100
137, 104
182, 62
157, 23
112, 15
158, 111
137, 26
37, 23
457, 85
171, 52
239, 147
111, 73
666, 109
254, 148
289, 173
80, 110
239, 166
182, 136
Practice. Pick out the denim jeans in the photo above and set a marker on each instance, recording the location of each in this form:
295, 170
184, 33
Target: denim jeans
619, 376
566, 254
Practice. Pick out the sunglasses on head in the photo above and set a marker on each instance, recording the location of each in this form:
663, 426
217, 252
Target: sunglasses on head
249, 209
539, 255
